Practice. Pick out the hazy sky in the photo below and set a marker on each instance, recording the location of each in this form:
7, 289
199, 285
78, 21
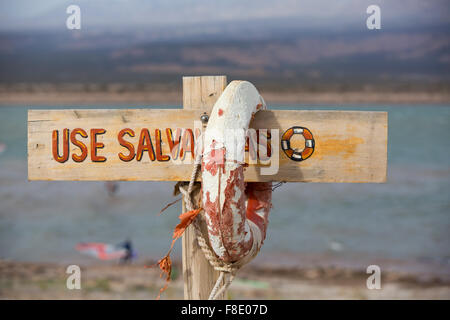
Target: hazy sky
117, 14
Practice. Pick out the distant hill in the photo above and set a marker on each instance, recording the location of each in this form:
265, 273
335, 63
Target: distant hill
420, 57
276, 44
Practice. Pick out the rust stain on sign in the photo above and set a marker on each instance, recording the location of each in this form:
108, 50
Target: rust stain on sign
330, 146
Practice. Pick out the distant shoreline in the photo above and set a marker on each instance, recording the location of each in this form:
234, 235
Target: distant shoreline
159, 97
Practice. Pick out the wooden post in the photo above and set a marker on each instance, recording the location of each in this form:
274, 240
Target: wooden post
199, 93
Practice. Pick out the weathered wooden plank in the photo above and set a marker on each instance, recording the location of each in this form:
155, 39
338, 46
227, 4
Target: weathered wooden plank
350, 146
202, 92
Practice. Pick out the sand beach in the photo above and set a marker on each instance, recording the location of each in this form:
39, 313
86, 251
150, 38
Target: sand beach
21, 280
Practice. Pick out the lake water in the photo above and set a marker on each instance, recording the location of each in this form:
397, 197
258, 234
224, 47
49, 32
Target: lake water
408, 218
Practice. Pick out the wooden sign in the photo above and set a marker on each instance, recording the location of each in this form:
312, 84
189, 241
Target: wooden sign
152, 144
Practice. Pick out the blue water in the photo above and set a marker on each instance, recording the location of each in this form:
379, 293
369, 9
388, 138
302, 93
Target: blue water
406, 218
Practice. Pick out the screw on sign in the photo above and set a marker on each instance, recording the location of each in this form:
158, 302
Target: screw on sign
225, 138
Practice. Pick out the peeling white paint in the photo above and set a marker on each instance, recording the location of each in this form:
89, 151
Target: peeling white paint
226, 131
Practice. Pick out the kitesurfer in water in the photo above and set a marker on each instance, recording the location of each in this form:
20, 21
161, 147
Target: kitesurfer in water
128, 246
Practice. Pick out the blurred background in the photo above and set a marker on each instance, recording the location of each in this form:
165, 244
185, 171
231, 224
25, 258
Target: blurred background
300, 55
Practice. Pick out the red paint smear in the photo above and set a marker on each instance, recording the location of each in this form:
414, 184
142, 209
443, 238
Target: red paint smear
259, 197
220, 112
211, 210
214, 160
235, 249
220, 220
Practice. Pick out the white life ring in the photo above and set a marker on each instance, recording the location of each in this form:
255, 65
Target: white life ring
236, 212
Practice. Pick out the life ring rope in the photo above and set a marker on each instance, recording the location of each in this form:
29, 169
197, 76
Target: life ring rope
236, 213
